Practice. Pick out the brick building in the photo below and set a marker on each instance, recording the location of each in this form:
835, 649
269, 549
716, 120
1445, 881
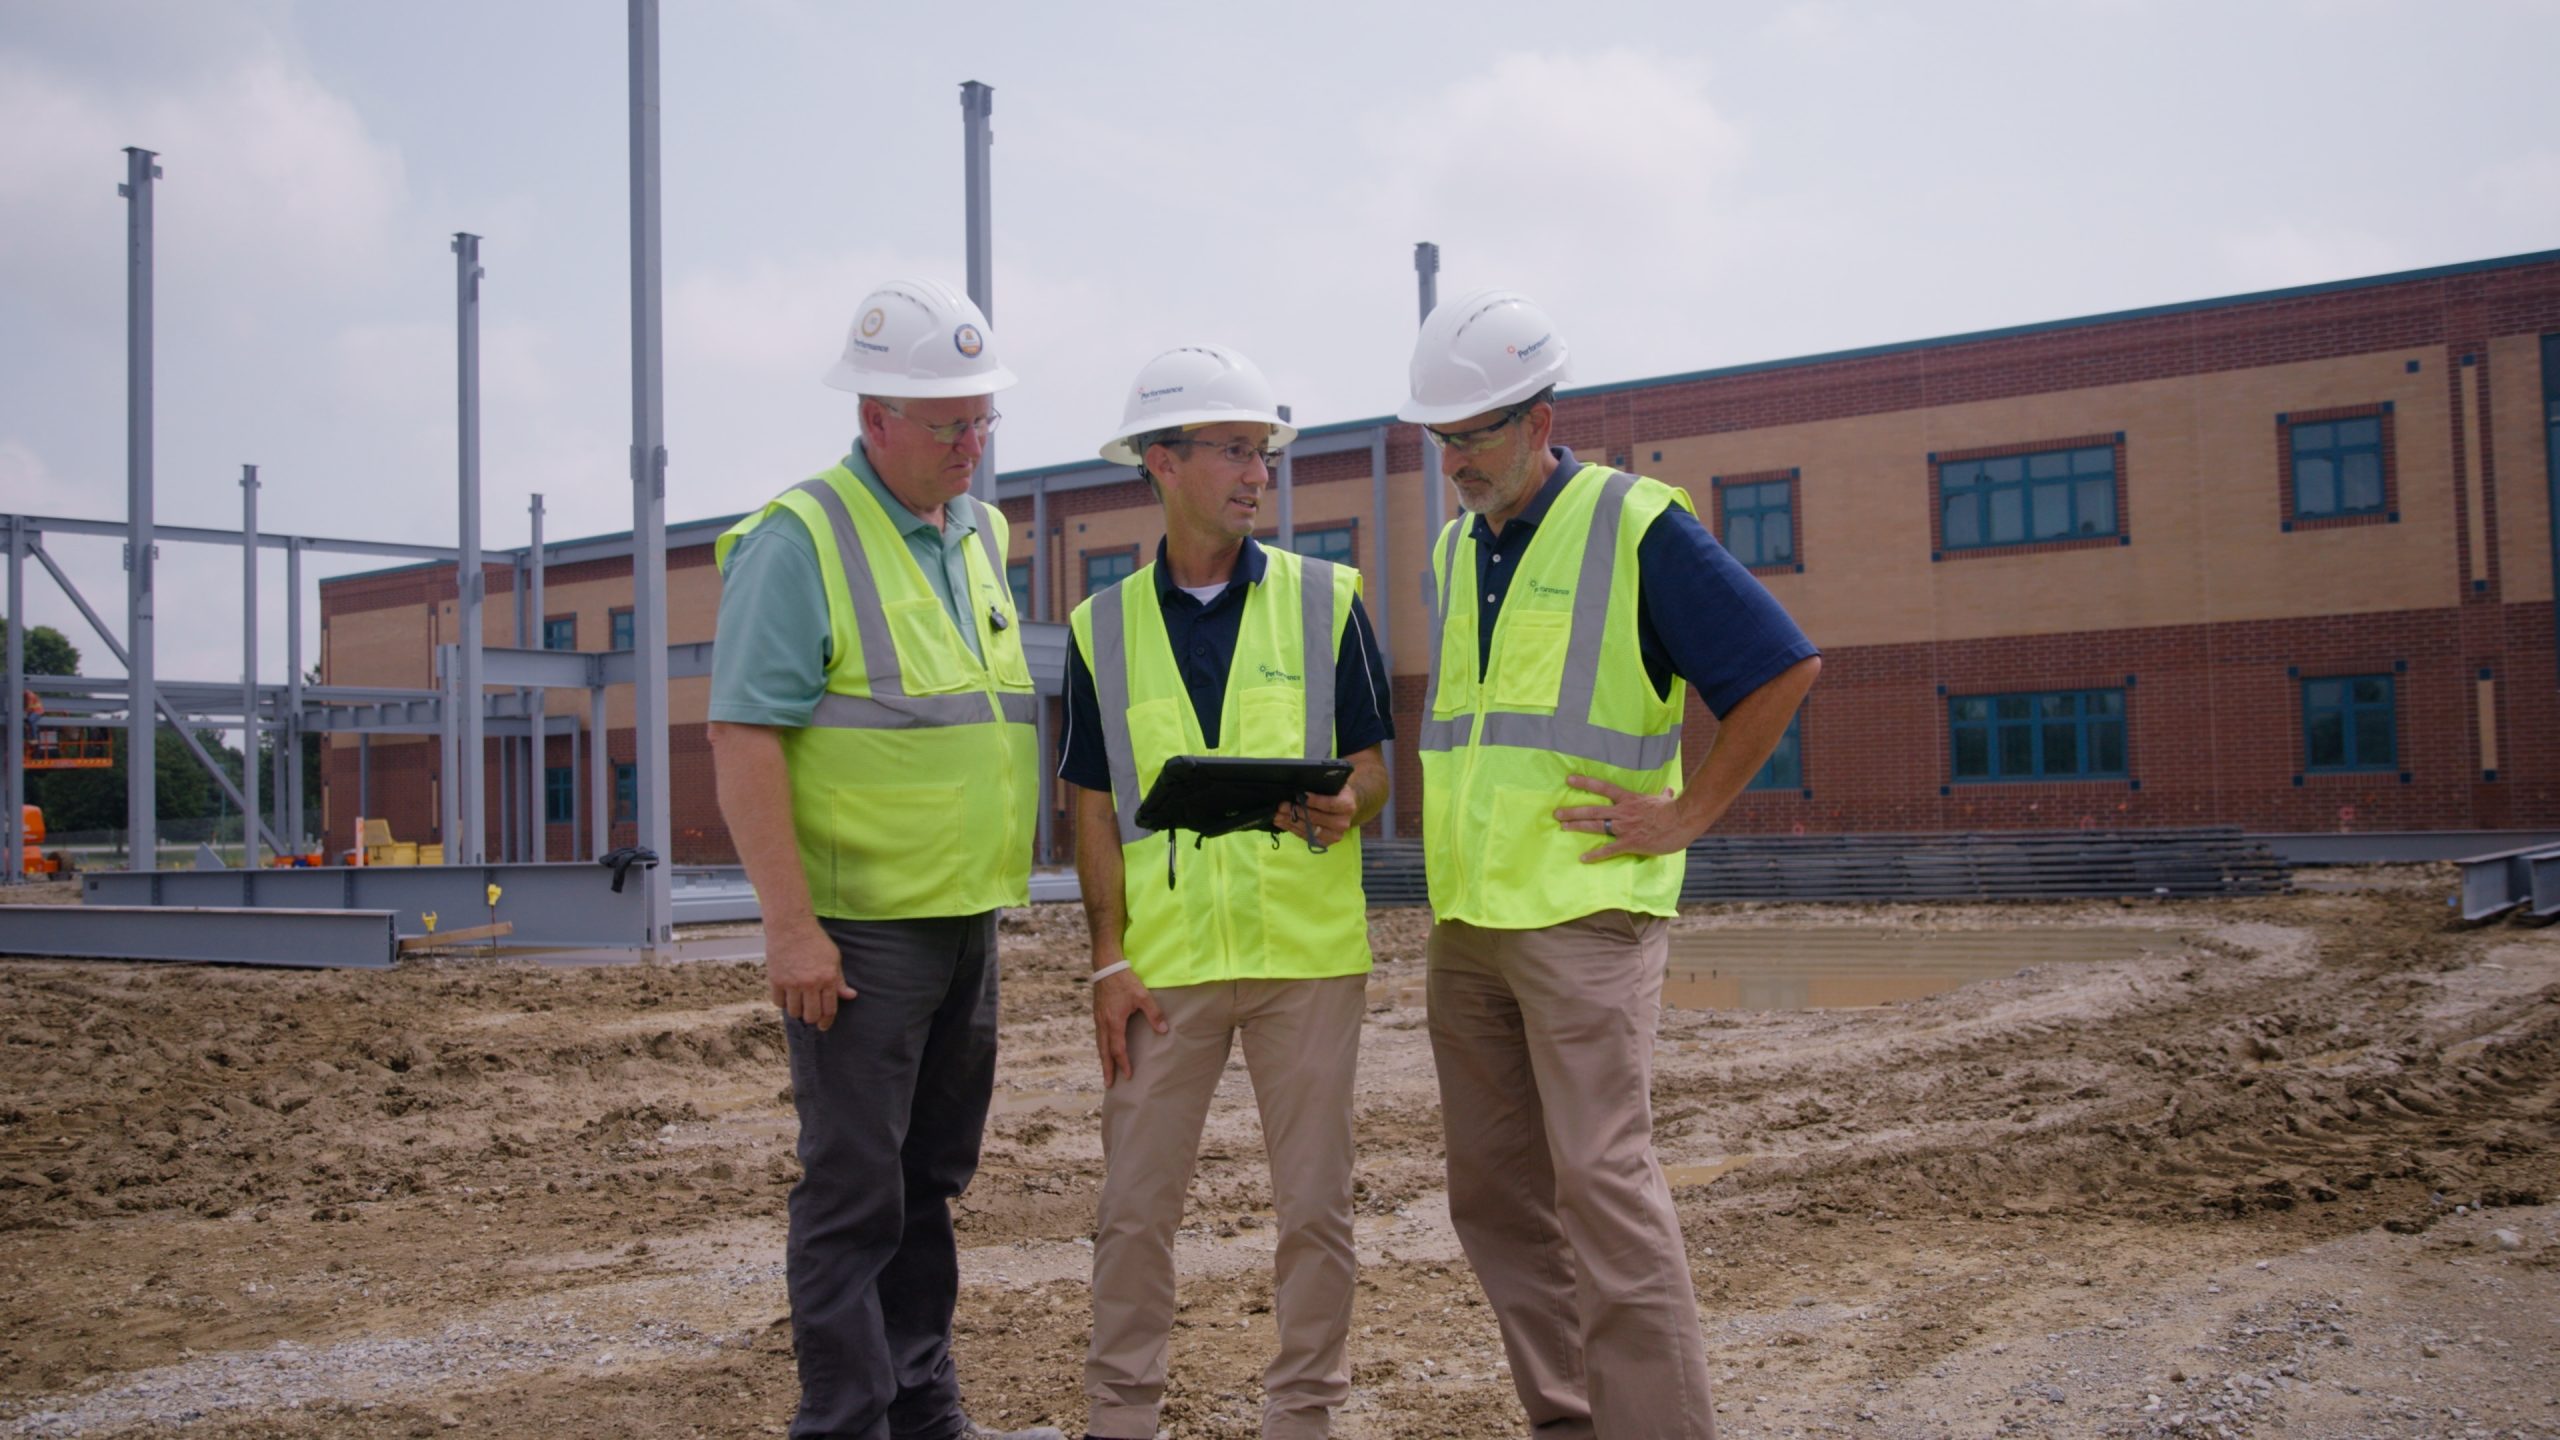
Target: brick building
2281, 560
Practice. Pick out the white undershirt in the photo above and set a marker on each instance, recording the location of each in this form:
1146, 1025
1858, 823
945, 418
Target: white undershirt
1204, 593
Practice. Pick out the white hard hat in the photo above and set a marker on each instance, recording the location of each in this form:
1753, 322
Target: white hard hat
1193, 385
1479, 353
919, 340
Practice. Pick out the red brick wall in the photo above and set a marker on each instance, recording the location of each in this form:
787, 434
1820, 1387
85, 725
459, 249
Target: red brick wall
2213, 731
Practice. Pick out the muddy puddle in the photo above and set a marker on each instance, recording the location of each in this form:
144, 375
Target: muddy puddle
1845, 967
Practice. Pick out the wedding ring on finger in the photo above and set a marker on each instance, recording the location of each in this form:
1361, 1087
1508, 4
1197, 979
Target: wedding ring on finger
1609, 826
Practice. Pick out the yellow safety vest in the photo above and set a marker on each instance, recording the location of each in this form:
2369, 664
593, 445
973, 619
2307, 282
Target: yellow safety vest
1246, 909
913, 786
1564, 693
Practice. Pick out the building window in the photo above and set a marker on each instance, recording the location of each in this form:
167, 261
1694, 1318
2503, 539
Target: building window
1104, 569
2347, 723
2051, 735
1328, 542
1017, 578
2337, 465
626, 793
560, 632
559, 795
1755, 517
620, 624
1784, 769
2053, 494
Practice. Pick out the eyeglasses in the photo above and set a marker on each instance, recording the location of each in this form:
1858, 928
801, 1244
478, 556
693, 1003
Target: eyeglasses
982, 426
1239, 453
1483, 437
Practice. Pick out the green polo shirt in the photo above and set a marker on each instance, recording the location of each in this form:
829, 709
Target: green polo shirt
769, 663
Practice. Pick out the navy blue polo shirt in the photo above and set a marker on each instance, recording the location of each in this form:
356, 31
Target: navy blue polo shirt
1702, 615
1204, 649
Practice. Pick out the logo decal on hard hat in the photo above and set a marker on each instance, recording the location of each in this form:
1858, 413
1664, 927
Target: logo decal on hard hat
1158, 394
968, 341
1532, 348
872, 320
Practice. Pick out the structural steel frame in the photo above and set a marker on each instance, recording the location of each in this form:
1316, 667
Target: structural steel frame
204, 934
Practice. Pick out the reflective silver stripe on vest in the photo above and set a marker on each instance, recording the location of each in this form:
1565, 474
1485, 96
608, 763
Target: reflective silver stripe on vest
889, 706
1315, 640
988, 519
1443, 734
1569, 731
1111, 697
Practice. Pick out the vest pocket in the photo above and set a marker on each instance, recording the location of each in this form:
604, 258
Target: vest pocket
928, 647
1271, 722
1524, 843
1528, 658
898, 848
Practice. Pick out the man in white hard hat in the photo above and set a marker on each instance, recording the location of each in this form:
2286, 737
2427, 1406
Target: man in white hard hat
1575, 607
1221, 647
871, 732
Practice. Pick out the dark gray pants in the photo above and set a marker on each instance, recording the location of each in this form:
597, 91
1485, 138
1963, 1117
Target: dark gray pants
892, 1103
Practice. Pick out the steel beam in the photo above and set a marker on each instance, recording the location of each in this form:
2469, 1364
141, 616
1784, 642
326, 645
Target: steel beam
648, 474
248, 666
549, 904
2494, 884
1287, 479
141, 776
199, 535
470, 846
201, 934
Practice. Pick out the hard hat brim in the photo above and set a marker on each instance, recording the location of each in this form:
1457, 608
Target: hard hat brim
845, 377
1120, 451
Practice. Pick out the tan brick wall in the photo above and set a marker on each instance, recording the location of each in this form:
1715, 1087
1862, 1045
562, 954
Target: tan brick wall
2517, 454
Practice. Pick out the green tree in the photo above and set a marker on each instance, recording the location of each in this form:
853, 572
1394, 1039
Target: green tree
50, 652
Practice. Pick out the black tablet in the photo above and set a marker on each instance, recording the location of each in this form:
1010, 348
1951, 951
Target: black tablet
1216, 794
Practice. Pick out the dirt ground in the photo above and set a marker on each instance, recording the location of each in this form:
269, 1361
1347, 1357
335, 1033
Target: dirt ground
2291, 1172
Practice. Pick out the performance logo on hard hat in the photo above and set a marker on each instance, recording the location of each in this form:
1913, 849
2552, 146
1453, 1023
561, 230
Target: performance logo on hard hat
1529, 350
872, 320
968, 341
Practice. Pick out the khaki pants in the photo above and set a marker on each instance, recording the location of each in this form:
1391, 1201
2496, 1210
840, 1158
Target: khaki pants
1301, 1046
1544, 1044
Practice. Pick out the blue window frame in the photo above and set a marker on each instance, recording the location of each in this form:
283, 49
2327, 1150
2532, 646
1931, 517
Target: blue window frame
1329, 542
620, 625
1760, 522
1784, 769
561, 633
2337, 467
1103, 571
1017, 578
2028, 499
559, 795
626, 793
2348, 724
2048, 735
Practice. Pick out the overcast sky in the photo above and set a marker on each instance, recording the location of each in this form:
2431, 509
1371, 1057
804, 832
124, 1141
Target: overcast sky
1683, 184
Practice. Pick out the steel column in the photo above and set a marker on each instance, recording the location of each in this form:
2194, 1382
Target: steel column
537, 812
291, 730
469, 847
248, 667
1435, 488
1379, 614
364, 783
13, 824
599, 777
1287, 479
977, 112
648, 478
141, 748
448, 736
